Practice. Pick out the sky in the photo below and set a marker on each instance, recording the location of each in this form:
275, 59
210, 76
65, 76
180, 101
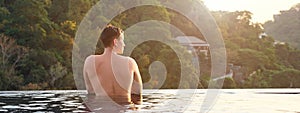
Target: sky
263, 10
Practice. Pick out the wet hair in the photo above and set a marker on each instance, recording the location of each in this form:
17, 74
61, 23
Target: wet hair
108, 35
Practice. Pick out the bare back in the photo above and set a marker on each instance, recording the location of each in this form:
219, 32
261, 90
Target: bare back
110, 75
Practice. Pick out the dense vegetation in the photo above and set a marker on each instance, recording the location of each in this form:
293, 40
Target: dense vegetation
37, 37
263, 63
285, 26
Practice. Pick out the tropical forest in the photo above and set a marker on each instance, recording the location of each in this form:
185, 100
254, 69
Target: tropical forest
37, 38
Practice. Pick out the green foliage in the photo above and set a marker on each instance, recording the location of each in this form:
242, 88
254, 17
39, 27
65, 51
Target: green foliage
10, 57
287, 78
259, 58
229, 83
285, 26
288, 56
29, 23
259, 79
151, 51
252, 60
40, 36
56, 72
204, 81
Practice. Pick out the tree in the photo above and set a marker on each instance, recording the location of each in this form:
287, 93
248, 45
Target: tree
287, 78
259, 79
48, 41
37, 39
229, 83
10, 56
285, 26
56, 72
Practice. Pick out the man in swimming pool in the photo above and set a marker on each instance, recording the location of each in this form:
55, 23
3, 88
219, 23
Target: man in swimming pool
111, 74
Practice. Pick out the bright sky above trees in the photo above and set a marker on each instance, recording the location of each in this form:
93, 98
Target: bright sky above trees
263, 10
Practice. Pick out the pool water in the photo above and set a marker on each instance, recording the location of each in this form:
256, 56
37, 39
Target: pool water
164, 100
41, 101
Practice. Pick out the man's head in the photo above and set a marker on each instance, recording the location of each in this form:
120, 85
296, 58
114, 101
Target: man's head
113, 37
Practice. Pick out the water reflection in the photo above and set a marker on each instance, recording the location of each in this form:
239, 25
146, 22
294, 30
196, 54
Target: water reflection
231, 100
41, 101
75, 101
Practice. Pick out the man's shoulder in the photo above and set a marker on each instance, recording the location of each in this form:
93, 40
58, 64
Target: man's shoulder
128, 59
124, 57
131, 61
91, 58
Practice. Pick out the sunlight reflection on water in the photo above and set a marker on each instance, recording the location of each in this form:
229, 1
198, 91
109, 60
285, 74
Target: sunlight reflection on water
230, 100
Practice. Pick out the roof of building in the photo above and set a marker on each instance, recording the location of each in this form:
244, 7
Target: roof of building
191, 40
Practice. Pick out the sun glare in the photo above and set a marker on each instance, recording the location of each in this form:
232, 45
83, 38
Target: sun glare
263, 10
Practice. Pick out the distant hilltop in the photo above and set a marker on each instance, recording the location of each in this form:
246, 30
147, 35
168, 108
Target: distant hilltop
286, 26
